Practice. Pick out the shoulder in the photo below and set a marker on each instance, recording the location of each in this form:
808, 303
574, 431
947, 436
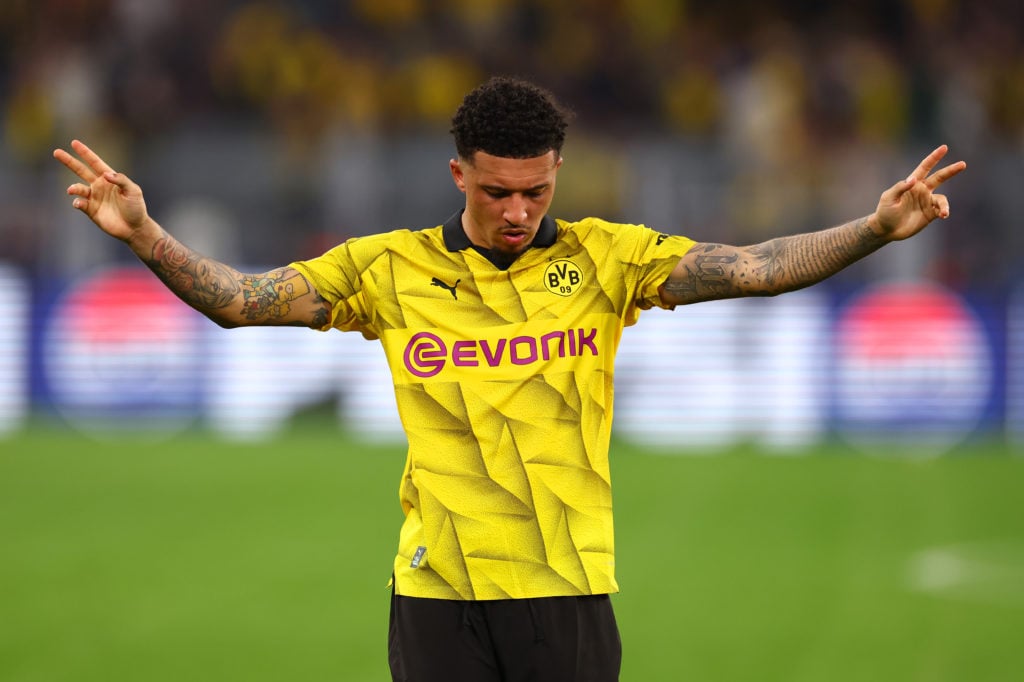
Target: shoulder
381, 243
605, 233
397, 237
590, 225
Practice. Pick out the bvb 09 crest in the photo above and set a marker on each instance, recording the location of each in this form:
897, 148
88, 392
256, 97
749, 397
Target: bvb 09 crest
563, 277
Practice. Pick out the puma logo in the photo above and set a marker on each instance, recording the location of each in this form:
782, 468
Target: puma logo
438, 283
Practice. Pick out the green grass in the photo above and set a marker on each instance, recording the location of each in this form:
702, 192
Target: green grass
195, 559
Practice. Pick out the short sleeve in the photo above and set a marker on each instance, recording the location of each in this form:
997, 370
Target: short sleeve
337, 277
656, 263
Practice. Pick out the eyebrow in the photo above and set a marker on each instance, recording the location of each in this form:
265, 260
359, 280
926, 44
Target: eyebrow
498, 188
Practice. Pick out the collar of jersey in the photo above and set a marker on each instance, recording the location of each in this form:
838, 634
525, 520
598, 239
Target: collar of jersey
456, 239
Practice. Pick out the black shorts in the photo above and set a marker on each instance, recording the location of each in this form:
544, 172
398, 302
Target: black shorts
556, 639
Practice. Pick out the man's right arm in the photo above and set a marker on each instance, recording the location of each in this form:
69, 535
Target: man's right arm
228, 297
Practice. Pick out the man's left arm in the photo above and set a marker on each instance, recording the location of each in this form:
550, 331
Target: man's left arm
714, 271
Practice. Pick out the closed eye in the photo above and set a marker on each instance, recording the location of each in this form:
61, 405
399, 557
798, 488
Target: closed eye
500, 193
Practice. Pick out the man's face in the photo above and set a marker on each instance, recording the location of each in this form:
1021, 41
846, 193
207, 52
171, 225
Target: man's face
505, 198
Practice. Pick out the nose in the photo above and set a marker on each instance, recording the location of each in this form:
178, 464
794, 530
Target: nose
515, 210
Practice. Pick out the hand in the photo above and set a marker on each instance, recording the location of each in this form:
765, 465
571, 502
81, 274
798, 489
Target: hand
110, 199
909, 205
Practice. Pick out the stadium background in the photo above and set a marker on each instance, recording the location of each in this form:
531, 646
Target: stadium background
167, 511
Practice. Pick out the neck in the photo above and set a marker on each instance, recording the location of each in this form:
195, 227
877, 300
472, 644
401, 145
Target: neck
501, 259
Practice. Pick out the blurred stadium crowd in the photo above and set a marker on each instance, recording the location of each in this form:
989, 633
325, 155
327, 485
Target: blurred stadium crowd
266, 131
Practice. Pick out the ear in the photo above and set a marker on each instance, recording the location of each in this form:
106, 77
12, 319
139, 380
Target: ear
455, 166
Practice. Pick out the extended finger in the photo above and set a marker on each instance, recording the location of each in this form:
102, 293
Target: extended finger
74, 165
98, 165
940, 176
926, 165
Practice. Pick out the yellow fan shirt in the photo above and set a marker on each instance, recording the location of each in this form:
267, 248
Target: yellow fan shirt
503, 380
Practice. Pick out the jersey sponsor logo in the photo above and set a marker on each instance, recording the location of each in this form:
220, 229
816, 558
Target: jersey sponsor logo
451, 289
563, 277
427, 354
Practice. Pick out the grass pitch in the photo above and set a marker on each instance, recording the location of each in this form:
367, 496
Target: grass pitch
192, 558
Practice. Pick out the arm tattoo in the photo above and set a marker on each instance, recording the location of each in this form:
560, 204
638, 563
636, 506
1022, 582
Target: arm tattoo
773, 267
789, 263
322, 314
269, 296
201, 282
210, 286
707, 277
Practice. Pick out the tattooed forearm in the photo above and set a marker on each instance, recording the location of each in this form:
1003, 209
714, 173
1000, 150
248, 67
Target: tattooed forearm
713, 271
201, 282
789, 263
231, 298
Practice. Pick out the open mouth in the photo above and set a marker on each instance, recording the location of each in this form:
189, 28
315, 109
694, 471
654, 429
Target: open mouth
514, 237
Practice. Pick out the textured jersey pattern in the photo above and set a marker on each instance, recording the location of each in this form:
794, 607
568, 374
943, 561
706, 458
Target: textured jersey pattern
503, 380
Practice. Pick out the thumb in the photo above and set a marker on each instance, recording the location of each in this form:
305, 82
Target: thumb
897, 191
904, 186
120, 179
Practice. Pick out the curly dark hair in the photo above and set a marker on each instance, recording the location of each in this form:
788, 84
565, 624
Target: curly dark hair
510, 118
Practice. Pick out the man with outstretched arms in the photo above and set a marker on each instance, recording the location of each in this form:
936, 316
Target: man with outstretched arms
500, 327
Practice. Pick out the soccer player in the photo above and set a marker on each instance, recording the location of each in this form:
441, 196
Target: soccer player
500, 327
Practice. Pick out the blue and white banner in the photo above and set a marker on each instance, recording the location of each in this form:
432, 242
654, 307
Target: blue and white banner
14, 349
906, 367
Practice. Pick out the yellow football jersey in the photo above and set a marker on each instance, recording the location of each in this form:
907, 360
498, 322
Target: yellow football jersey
503, 380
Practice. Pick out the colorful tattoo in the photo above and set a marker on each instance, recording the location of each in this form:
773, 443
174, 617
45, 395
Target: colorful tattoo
269, 296
210, 286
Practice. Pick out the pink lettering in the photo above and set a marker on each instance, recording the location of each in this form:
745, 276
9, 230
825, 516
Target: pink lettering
587, 341
426, 354
531, 347
546, 344
464, 354
493, 359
